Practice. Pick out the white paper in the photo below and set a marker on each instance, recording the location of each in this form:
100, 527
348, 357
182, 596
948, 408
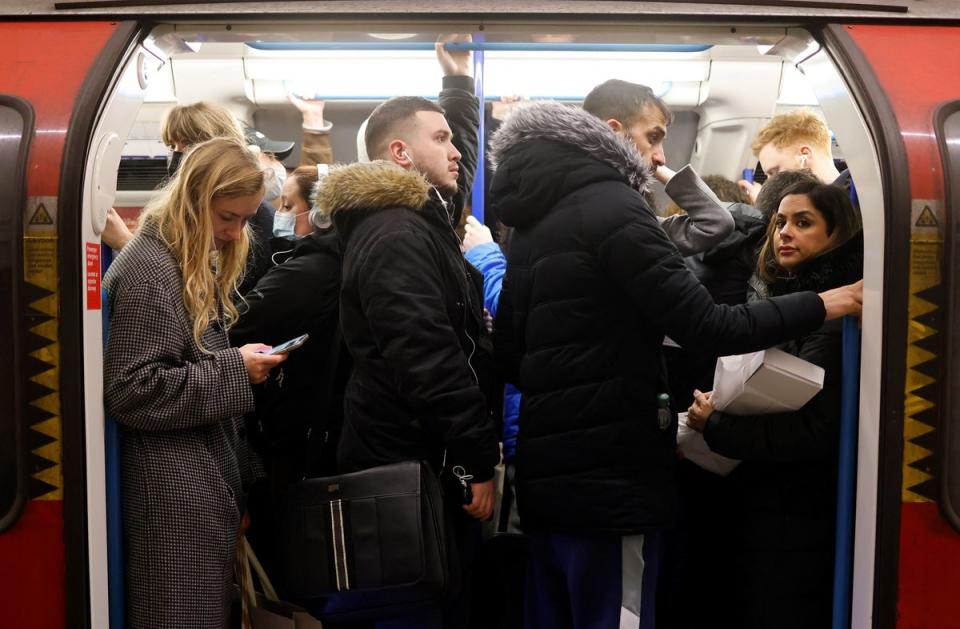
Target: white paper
760, 383
694, 447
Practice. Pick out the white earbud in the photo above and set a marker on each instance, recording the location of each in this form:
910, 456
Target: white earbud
803, 160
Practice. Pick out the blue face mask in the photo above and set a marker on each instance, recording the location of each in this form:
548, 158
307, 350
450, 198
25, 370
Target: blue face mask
283, 225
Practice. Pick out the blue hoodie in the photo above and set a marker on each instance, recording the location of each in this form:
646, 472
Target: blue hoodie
489, 260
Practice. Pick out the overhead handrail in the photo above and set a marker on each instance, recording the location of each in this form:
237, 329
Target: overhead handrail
478, 46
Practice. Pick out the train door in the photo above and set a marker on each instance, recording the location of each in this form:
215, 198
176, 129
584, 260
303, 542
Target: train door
53, 76
914, 97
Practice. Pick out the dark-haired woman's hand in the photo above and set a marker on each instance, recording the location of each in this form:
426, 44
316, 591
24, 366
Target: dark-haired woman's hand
700, 411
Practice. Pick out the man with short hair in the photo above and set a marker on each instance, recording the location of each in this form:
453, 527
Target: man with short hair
411, 308
636, 113
793, 141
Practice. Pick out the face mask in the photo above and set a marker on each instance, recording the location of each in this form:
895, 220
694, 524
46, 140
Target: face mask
283, 225
275, 185
173, 164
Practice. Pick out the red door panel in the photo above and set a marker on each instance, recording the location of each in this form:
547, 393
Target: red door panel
916, 66
45, 63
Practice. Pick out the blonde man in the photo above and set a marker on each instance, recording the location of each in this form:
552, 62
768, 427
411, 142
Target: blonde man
793, 141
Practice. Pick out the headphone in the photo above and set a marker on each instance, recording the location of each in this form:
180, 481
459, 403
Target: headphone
803, 160
316, 216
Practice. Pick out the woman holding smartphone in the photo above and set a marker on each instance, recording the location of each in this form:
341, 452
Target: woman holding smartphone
179, 390
784, 491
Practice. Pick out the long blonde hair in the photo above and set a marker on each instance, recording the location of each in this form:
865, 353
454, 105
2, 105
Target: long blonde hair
198, 122
221, 168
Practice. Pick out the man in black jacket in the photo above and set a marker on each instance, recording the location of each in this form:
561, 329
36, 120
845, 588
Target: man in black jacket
411, 307
592, 286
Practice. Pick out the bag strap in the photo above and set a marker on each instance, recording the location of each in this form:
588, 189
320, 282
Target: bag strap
268, 590
313, 444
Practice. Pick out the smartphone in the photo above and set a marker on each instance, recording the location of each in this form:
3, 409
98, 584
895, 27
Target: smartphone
288, 346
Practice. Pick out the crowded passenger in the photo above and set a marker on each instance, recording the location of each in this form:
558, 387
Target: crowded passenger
793, 141
592, 285
637, 114
179, 390
783, 493
728, 272
412, 312
296, 423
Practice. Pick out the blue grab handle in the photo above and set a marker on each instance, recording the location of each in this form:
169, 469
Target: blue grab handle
847, 476
111, 436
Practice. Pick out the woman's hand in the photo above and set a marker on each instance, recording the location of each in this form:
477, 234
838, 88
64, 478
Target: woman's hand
699, 413
115, 233
475, 233
257, 363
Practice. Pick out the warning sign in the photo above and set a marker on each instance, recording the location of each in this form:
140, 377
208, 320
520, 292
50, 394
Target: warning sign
41, 216
926, 218
93, 276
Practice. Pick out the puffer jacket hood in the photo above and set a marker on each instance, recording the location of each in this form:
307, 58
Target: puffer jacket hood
544, 151
363, 187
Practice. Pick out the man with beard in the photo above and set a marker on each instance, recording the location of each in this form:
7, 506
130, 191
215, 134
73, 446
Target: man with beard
411, 308
593, 284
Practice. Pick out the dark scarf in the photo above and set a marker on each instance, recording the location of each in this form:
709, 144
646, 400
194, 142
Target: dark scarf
838, 267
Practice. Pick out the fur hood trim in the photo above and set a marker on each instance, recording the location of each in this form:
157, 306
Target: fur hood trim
371, 186
575, 127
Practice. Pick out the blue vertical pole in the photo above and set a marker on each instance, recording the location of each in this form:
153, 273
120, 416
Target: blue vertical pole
847, 476
115, 588
479, 182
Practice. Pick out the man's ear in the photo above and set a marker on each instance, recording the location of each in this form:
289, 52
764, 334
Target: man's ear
615, 124
396, 153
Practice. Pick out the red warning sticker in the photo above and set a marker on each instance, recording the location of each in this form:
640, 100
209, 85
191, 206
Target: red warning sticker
93, 276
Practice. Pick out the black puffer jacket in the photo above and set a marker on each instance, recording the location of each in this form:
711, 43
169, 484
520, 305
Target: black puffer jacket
258, 259
296, 297
592, 285
411, 313
724, 271
785, 488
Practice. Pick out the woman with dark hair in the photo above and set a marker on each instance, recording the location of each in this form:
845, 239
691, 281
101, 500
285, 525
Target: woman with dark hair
297, 418
784, 491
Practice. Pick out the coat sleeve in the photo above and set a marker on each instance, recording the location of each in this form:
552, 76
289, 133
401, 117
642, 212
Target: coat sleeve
147, 383
402, 296
490, 261
316, 148
707, 221
809, 433
638, 257
462, 111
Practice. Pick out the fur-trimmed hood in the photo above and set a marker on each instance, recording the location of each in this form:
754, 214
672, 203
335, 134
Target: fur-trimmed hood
371, 186
577, 128
546, 151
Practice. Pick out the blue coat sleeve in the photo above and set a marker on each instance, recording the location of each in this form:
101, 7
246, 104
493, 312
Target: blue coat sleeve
490, 261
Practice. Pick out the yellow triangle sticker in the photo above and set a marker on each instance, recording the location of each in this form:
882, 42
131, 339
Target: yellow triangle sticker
41, 216
926, 218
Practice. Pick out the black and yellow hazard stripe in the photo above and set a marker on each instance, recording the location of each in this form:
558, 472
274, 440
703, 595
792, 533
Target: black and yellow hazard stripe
41, 319
924, 338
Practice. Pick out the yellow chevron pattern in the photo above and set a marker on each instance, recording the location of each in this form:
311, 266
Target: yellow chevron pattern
40, 271
926, 258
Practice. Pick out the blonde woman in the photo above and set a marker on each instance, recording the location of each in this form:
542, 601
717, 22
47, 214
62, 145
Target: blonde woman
179, 390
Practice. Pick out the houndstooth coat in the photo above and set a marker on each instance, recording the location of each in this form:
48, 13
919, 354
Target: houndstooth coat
182, 445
